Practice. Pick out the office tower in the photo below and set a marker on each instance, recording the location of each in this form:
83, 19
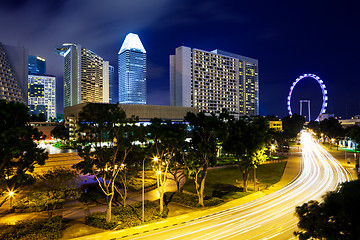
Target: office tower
37, 66
42, 95
106, 82
13, 73
113, 86
132, 71
83, 75
211, 81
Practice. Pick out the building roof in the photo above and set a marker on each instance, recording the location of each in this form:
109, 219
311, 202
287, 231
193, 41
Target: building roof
132, 42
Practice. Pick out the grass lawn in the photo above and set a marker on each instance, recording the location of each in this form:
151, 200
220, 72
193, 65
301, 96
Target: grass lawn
226, 182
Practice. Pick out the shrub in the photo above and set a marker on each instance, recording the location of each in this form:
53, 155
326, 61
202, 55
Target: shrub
33, 229
98, 219
125, 217
191, 200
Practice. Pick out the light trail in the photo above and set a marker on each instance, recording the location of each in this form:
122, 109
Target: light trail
271, 216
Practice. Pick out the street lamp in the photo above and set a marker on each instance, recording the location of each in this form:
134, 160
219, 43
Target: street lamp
272, 148
11, 195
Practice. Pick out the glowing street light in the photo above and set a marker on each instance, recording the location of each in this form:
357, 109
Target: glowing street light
11, 195
272, 148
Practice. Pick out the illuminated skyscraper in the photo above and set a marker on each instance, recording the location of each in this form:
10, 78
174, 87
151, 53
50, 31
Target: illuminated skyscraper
211, 81
13, 73
37, 66
113, 86
132, 71
42, 95
83, 75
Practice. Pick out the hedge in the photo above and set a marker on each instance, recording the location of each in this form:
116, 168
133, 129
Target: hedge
191, 200
33, 229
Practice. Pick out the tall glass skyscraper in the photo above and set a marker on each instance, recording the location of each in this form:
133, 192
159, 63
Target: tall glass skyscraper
37, 66
132, 71
113, 86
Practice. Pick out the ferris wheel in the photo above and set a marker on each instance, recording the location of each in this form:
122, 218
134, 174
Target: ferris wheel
323, 89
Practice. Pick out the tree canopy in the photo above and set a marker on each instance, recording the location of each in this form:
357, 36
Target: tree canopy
336, 217
18, 151
202, 151
106, 138
246, 141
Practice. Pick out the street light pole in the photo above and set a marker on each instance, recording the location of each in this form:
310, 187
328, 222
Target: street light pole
143, 191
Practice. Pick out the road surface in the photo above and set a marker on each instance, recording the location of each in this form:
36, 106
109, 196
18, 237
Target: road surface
269, 217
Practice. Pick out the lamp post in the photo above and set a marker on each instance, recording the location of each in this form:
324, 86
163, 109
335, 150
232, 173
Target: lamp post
143, 188
143, 191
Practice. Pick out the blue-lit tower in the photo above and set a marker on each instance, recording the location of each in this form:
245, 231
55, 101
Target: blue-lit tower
37, 66
132, 71
113, 86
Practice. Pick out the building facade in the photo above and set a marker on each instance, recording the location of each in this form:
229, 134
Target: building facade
212, 81
37, 66
84, 77
132, 71
13, 73
113, 86
42, 95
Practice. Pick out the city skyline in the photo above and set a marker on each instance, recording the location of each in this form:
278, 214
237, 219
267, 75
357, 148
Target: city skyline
289, 39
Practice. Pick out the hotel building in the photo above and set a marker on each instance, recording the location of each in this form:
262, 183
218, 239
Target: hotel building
84, 75
132, 71
211, 81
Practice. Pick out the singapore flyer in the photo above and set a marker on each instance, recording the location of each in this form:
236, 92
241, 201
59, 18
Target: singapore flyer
323, 89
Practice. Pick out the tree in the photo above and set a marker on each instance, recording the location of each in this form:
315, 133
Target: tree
246, 141
18, 151
130, 169
292, 125
167, 141
57, 184
336, 217
106, 138
314, 126
331, 127
38, 118
60, 132
202, 151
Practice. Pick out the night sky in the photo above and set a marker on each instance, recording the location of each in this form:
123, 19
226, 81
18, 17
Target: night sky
289, 38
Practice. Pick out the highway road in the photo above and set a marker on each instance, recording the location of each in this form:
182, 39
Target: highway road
271, 216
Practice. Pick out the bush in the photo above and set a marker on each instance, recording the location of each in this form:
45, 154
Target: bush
191, 200
125, 217
35, 201
33, 229
135, 184
98, 219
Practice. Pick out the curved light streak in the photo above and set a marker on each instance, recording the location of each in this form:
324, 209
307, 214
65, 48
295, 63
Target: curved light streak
323, 89
271, 216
